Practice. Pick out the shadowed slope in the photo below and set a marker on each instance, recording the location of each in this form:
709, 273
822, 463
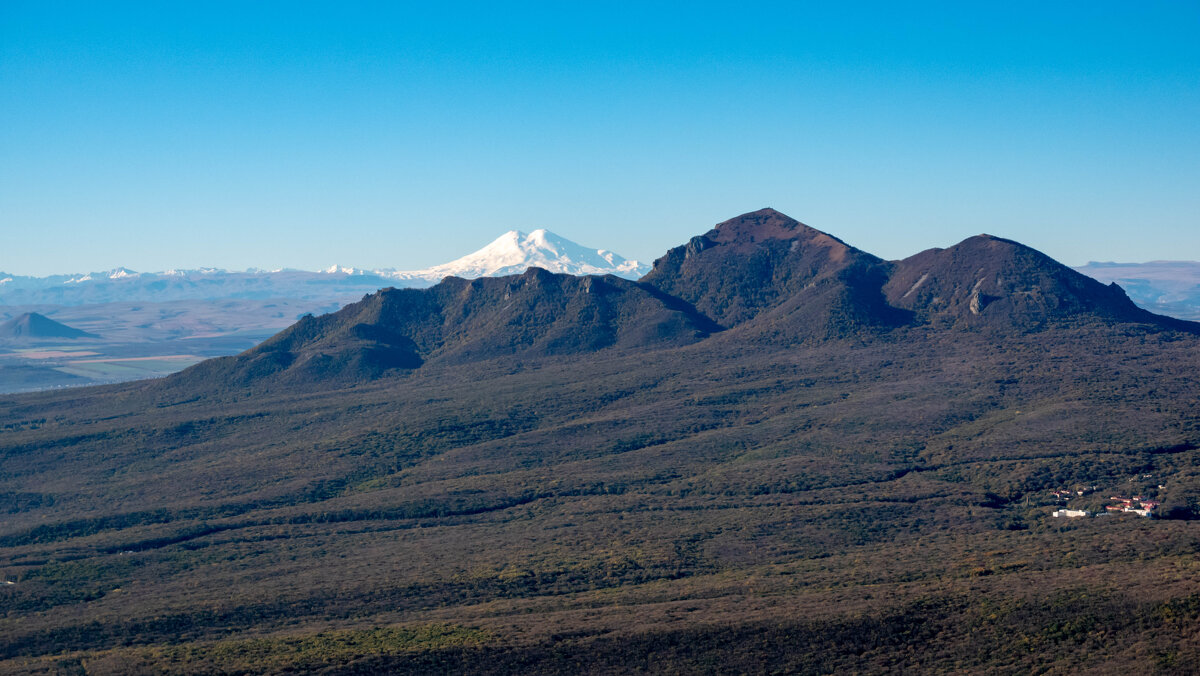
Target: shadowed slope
536, 313
544, 313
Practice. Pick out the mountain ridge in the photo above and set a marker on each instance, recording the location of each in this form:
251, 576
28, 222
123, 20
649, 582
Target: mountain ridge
761, 276
458, 320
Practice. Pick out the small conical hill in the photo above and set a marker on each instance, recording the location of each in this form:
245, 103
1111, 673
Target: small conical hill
33, 326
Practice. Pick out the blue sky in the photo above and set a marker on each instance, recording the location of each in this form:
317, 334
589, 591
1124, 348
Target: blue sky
160, 135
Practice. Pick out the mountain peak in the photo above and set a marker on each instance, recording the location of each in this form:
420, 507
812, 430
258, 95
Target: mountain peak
769, 224
336, 269
991, 280
122, 273
752, 262
515, 251
984, 239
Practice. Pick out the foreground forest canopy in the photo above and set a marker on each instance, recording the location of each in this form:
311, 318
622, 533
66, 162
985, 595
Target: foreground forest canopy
774, 452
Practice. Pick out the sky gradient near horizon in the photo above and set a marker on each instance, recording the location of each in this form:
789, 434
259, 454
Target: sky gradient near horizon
236, 135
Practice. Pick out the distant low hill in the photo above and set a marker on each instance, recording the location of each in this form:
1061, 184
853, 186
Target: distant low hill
33, 326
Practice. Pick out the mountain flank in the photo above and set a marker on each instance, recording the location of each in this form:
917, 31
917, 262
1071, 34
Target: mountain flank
32, 326
537, 313
995, 282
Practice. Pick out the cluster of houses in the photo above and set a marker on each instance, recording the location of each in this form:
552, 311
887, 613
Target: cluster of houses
1135, 505
1142, 506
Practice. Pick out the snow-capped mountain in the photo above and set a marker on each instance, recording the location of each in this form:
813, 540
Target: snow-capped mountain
511, 253
514, 251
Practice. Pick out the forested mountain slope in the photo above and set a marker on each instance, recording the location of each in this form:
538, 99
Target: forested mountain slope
806, 462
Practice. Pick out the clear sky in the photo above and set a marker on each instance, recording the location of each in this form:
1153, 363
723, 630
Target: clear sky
174, 134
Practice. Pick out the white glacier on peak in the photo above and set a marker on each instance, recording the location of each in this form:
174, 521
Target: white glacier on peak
515, 251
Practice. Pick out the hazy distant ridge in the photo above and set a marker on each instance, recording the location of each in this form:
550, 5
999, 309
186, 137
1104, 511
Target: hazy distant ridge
511, 253
1166, 287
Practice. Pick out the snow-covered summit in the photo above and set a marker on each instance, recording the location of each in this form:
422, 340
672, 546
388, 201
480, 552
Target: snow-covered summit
515, 251
339, 270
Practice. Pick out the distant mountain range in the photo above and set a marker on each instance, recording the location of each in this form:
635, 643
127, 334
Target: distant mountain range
1166, 287
511, 253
